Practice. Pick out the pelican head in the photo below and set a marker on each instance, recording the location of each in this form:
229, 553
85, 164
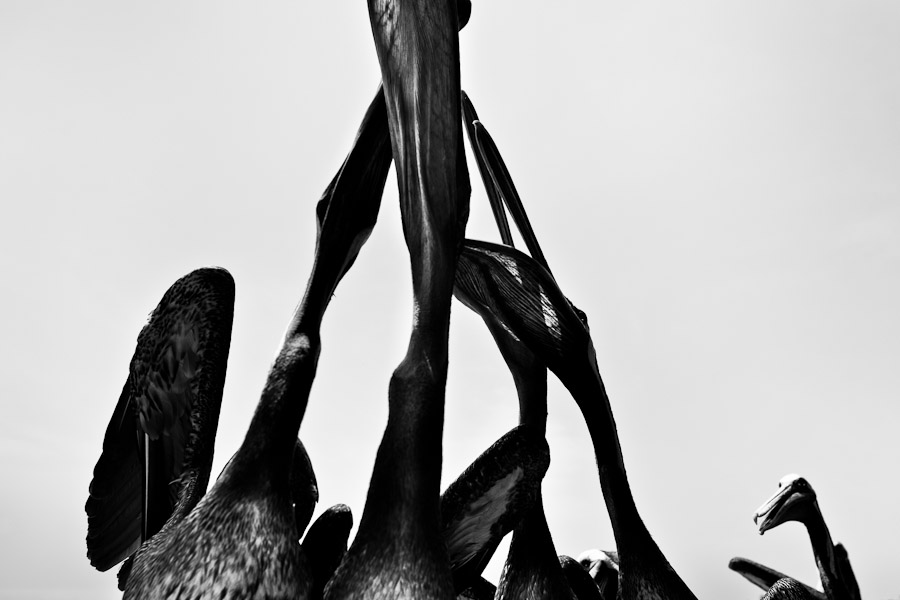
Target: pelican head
789, 503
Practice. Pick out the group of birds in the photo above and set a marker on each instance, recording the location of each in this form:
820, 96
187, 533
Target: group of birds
249, 535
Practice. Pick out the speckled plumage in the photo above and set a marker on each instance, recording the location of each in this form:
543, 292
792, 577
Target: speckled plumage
238, 541
230, 547
788, 589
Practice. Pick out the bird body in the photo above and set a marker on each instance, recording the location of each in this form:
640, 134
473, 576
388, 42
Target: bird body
232, 546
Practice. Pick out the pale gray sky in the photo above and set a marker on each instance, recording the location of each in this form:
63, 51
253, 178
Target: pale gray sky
717, 184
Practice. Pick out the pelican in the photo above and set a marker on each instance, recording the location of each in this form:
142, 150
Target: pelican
241, 538
765, 577
532, 568
796, 500
170, 407
398, 551
558, 334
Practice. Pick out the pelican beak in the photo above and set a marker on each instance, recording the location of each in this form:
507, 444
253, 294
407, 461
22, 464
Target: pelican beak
793, 493
504, 285
521, 293
470, 120
498, 182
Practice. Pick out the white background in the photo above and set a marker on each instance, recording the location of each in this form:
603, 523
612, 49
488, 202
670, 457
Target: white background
715, 183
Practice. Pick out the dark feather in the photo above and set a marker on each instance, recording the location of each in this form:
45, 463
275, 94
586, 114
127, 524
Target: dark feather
325, 545
580, 581
172, 393
489, 499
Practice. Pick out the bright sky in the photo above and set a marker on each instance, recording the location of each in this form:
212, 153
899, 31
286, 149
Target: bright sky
715, 183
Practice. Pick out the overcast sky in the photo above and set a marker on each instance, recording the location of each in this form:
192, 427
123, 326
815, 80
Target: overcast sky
717, 184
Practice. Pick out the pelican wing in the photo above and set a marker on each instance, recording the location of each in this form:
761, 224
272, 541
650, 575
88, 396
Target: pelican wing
489, 499
114, 510
765, 577
164, 423
325, 545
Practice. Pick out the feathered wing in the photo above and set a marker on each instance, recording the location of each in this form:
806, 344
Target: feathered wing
489, 499
325, 545
765, 577
115, 502
164, 423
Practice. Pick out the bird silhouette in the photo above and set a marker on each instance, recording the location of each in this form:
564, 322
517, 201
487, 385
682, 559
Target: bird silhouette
796, 500
559, 336
240, 538
398, 550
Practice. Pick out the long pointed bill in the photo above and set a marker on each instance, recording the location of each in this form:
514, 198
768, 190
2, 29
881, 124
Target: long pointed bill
470, 117
348, 209
499, 182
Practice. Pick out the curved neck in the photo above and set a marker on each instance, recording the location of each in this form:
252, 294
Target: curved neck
823, 551
532, 569
590, 394
266, 454
643, 567
406, 478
